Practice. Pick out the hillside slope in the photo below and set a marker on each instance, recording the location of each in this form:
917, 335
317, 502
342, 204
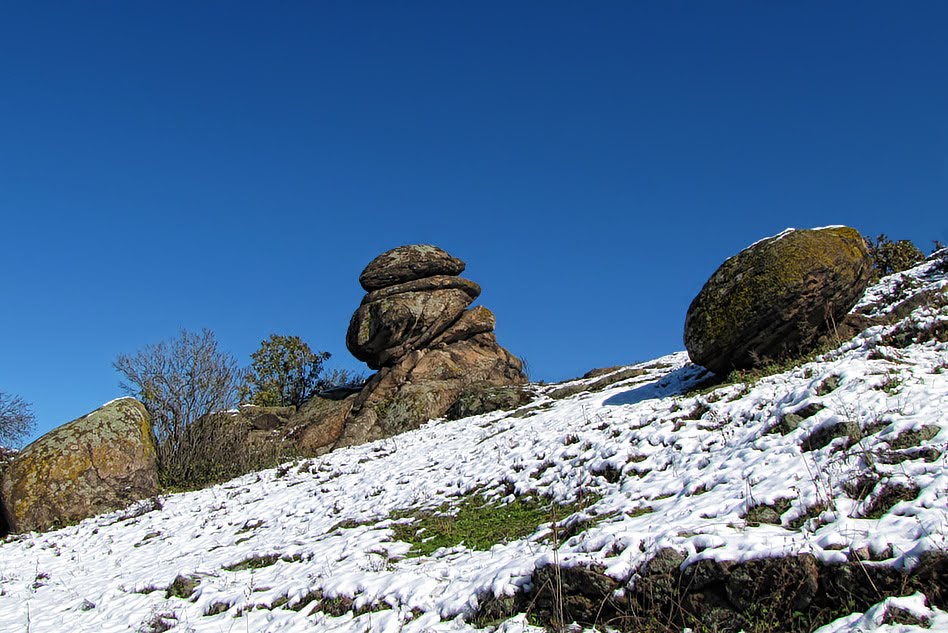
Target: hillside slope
838, 464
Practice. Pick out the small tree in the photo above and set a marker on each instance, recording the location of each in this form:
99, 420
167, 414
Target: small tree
284, 371
179, 381
891, 257
16, 419
344, 378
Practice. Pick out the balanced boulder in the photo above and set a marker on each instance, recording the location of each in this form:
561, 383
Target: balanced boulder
100, 462
777, 297
407, 263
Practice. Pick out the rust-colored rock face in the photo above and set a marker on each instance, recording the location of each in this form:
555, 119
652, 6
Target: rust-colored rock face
776, 298
100, 462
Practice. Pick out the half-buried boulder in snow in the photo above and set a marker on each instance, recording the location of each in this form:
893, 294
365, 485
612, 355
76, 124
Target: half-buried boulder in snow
776, 298
100, 462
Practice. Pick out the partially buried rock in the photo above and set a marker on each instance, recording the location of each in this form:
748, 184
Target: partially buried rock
776, 298
407, 263
100, 462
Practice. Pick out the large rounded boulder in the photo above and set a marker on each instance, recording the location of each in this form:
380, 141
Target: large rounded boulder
776, 298
100, 462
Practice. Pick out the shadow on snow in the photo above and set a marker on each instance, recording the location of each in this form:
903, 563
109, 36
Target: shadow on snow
675, 383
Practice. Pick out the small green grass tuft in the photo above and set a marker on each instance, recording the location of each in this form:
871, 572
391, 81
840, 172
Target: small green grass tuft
254, 562
479, 524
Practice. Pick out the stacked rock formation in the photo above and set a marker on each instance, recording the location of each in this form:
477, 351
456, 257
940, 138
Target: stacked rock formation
416, 327
777, 297
414, 294
436, 357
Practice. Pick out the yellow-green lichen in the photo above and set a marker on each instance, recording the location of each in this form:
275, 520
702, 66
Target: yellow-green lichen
98, 462
749, 289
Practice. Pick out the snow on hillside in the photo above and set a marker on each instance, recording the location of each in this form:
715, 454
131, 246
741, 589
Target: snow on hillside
651, 462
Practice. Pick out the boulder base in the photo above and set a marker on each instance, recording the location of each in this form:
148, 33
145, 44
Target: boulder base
425, 384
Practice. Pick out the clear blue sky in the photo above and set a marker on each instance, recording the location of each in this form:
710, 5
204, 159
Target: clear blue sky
168, 165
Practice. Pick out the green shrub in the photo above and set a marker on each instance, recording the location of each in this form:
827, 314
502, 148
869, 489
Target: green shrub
284, 372
891, 257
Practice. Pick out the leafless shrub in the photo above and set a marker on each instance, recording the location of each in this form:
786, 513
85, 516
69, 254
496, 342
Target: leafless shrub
16, 419
179, 381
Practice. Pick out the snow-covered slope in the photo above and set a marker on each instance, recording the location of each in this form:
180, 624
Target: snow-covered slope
845, 453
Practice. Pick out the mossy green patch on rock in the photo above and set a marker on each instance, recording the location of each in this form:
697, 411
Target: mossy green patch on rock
776, 298
100, 462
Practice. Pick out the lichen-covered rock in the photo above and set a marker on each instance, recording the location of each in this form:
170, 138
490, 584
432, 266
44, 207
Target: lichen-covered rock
479, 399
776, 298
383, 331
266, 418
100, 462
477, 320
407, 263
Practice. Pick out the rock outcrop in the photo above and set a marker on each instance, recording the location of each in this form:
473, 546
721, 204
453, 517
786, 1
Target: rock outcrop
777, 297
415, 325
100, 462
436, 356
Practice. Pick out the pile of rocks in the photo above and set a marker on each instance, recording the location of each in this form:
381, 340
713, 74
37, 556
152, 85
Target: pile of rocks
414, 295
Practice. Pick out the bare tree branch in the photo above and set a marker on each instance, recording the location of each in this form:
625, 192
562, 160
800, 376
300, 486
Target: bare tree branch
16, 419
179, 381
